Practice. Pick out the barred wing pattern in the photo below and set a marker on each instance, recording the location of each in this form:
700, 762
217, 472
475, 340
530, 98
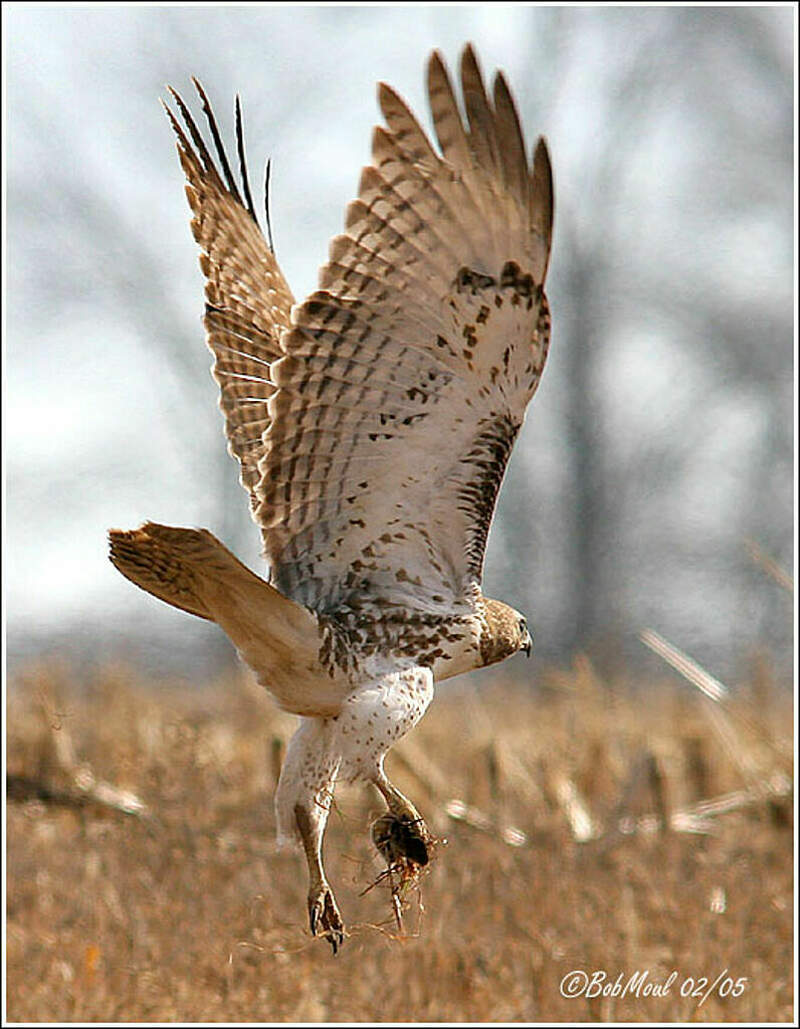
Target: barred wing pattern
248, 301
407, 374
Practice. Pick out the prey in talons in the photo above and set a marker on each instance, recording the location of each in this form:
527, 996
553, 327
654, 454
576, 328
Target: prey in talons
407, 847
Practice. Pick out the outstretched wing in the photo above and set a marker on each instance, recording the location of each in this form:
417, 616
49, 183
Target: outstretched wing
407, 373
247, 298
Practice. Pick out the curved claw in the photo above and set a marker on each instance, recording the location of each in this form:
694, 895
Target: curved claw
324, 917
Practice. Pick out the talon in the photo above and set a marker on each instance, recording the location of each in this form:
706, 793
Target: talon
324, 917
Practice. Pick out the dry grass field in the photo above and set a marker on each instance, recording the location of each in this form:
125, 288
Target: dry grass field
604, 827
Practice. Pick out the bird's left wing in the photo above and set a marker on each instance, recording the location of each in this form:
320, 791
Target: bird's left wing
407, 373
248, 301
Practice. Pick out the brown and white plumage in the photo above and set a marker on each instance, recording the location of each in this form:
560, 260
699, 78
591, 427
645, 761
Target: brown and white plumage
373, 423
407, 374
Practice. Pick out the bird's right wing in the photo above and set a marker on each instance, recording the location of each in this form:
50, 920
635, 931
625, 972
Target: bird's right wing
408, 372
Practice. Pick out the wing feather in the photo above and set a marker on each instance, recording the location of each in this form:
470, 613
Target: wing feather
482, 134
541, 205
406, 129
510, 140
447, 121
407, 373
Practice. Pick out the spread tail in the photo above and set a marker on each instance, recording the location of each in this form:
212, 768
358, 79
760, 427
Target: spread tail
167, 562
280, 640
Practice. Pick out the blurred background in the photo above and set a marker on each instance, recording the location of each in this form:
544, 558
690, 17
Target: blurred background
653, 482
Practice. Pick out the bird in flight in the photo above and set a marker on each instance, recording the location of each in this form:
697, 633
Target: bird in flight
372, 423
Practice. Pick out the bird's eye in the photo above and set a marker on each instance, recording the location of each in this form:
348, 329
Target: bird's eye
523, 626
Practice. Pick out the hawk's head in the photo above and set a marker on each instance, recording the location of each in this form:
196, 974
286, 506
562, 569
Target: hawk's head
505, 632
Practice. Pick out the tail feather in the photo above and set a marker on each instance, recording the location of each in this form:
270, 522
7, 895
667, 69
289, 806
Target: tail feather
280, 640
160, 559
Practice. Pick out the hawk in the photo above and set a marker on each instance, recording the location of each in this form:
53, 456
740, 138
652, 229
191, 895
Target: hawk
372, 423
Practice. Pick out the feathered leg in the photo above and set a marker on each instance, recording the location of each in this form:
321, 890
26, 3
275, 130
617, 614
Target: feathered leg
302, 804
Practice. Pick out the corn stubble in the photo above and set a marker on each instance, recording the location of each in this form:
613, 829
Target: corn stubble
589, 825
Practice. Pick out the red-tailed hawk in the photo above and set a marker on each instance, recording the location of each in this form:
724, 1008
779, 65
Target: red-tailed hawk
373, 423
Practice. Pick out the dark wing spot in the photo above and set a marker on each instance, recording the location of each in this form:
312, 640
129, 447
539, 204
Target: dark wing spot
470, 281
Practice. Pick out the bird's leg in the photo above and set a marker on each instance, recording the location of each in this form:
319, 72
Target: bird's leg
323, 913
402, 833
399, 806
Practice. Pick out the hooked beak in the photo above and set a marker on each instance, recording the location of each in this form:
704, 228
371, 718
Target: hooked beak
528, 647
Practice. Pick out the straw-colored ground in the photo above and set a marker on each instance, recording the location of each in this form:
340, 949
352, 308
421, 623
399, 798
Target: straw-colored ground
565, 812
